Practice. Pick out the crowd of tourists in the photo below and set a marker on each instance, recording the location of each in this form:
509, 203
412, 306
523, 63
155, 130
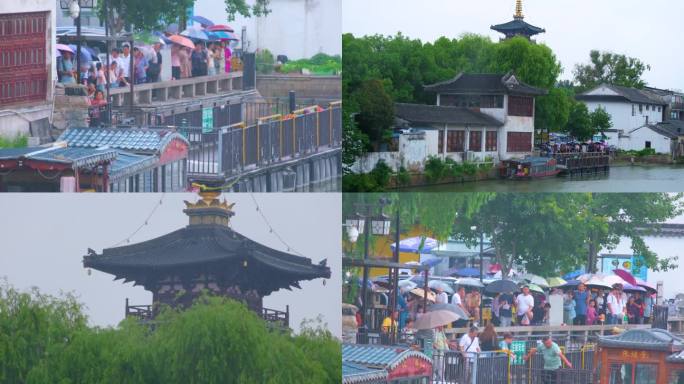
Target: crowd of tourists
548, 149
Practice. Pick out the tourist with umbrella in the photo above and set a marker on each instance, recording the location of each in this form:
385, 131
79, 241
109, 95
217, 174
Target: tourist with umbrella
582, 298
469, 345
66, 68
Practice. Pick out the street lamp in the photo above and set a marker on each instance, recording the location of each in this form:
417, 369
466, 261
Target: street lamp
380, 225
356, 221
74, 7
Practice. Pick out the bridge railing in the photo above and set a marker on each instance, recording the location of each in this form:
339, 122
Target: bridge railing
279, 138
181, 89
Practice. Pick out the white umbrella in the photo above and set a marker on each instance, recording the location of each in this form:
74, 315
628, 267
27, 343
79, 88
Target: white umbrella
436, 284
468, 282
534, 279
434, 319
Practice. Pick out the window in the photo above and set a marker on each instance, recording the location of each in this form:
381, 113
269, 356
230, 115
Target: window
633, 109
621, 373
475, 143
648, 107
519, 142
646, 119
493, 101
676, 377
490, 142
647, 145
641, 108
520, 106
455, 141
659, 108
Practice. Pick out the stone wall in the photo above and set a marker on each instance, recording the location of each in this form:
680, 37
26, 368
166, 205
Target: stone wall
306, 87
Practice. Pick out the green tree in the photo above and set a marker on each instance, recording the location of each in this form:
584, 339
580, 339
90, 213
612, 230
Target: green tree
376, 111
30, 324
553, 110
354, 142
151, 15
579, 122
610, 68
600, 120
535, 64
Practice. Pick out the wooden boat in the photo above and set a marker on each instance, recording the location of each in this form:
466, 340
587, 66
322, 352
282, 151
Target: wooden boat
529, 168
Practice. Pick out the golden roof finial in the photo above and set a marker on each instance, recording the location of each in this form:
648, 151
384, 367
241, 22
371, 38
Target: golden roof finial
518, 10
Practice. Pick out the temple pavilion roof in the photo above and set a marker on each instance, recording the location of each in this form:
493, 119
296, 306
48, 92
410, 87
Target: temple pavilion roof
518, 26
208, 245
484, 84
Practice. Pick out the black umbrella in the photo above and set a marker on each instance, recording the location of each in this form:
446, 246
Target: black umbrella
501, 286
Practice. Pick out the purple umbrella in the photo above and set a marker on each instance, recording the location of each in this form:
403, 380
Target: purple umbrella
418, 244
465, 272
632, 288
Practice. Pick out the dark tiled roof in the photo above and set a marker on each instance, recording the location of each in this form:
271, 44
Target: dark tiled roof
76, 157
665, 130
432, 114
676, 127
355, 373
220, 246
130, 139
485, 84
631, 94
518, 26
377, 356
651, 339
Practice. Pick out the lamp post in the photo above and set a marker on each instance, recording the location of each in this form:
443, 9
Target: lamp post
475, 228
74, 7
366, 225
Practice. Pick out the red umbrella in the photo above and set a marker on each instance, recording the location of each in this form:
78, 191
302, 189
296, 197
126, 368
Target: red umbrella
220, 27
181, 40
626, 276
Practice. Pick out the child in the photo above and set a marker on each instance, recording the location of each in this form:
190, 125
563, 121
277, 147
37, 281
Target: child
592, 313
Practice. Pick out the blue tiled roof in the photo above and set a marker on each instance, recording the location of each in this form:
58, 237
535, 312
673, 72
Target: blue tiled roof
76, 157
355, 373
132, 139
676, 358
377, 356
127, 164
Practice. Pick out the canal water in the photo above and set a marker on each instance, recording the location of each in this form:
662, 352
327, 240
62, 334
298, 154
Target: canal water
628, 178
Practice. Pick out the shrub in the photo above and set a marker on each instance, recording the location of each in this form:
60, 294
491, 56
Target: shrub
435, 169
18, 141
403, 176
382, 174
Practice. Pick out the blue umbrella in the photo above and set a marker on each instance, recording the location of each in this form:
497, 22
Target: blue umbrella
465, 272
195, 34
573, 275
431, 262
162, 37
220, 35
418, 244
570, 284
202, 20
172, 28
87, 54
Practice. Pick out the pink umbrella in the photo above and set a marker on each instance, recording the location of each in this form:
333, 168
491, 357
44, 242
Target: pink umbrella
626, 276
220, 27
64, 47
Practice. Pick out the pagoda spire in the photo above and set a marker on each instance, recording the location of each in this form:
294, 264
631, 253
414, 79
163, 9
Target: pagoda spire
518, 10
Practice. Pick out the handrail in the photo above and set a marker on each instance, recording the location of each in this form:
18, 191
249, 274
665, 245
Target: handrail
175, 83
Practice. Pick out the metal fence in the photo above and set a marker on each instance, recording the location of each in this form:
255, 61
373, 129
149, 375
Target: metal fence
503, 368
273, 139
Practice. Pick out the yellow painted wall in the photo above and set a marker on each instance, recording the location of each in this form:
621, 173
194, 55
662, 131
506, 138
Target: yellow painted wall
381, 249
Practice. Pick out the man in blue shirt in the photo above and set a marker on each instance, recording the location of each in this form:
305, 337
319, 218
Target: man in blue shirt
582, 298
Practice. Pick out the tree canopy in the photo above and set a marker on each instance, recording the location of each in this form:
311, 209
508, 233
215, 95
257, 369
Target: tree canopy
46, 339
610, 68
150, 15
545, 233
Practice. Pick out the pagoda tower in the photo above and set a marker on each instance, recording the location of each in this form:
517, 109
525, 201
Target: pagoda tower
518, 26
206, 255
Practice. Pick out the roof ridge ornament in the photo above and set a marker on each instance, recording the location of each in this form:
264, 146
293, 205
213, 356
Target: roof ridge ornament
518, 10
209, 209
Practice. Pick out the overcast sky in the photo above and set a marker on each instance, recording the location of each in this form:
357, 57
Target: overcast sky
44, 238
649, 30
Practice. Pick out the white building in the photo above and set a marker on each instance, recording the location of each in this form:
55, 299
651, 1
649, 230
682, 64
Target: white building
27, 65
635, 115
295, 28
478, 118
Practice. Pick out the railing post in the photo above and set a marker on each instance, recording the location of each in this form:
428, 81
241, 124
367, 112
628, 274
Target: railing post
244, 145
258, 143
473, 372
280, 153
219, 166
318, 130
